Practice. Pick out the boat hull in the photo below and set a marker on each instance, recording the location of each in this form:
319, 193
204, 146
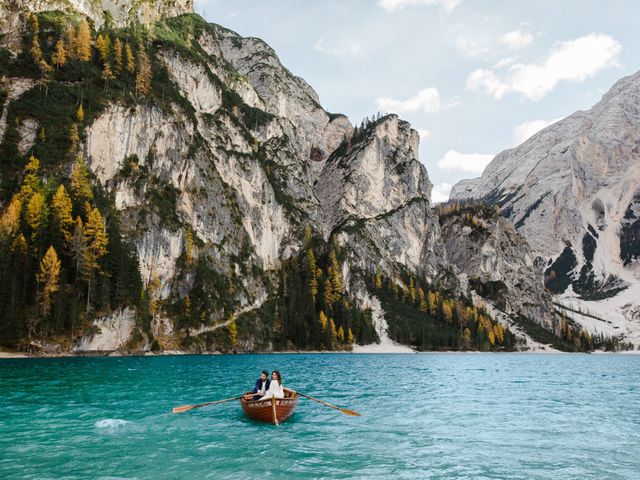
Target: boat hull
272, 410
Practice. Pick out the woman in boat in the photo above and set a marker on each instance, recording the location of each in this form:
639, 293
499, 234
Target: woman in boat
275, 387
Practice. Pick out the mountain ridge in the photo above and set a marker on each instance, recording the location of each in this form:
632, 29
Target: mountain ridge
238, 213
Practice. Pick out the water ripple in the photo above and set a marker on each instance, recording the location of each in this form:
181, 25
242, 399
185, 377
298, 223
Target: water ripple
424, 416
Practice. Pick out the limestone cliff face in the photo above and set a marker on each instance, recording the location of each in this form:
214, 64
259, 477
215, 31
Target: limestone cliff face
571, 190
120, 12
375, 194
498, 264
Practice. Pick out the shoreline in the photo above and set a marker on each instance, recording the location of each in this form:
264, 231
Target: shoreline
6, 355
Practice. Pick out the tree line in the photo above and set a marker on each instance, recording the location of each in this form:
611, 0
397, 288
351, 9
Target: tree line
431, 318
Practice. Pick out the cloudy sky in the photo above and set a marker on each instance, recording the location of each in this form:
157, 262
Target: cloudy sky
473, 77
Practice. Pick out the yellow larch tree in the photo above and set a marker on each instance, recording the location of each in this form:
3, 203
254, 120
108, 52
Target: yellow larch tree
10, 219
59, 56
117, 56
36, 215
61, 208
233, 332
77, 244
95, 247
80, 114
48, 281
70, 40
130, 58
80, 185
83, 41
323, 320
143, 77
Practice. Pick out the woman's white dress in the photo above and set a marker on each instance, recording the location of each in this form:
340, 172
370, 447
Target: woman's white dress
275, 390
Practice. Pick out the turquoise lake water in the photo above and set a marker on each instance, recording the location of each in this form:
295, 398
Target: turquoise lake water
506, 416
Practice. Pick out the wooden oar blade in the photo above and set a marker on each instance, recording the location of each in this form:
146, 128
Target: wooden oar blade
183, 408
350, 412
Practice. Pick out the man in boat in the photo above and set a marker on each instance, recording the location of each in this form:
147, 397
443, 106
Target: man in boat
261, 386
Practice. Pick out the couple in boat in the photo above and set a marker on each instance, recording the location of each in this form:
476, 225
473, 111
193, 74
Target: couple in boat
266, 388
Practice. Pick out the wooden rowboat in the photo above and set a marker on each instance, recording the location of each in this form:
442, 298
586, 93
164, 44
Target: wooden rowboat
271, 410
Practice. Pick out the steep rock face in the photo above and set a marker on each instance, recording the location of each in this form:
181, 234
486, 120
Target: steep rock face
499, 266
570, 190
375, 194
121, 12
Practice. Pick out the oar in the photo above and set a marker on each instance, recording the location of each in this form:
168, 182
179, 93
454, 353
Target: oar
343, 410
186, 408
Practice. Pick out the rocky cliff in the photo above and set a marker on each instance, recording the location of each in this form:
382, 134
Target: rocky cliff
572, 191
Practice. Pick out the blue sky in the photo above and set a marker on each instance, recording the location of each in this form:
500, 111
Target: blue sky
473, 77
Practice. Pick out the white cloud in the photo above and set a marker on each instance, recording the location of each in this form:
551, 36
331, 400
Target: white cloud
526, 130
471, 48
393, 5
440, 192
517, 39
426, 100
339, 49
466, 162
571, 61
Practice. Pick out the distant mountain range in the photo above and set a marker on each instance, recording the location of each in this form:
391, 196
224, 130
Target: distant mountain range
573, 191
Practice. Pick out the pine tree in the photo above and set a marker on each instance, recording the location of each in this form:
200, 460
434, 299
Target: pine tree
334, 332
323, 320
10, 219
74, 137
328, 294
36, 216
48, 278
36, 51
412, 290
103, 44
188, 247
83, 41
117, 56
95, 241
59, 56
80, 114
78, 245
447, 312
70, 40
61, 209
349, 336
308, 234
130, 58
143, 77
341, 334
101, 47
311, 270
233, 333
107, 74
80, 185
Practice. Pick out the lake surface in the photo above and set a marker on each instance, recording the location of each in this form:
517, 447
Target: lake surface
506, 416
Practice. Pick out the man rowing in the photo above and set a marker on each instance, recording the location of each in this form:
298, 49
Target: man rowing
260, 388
